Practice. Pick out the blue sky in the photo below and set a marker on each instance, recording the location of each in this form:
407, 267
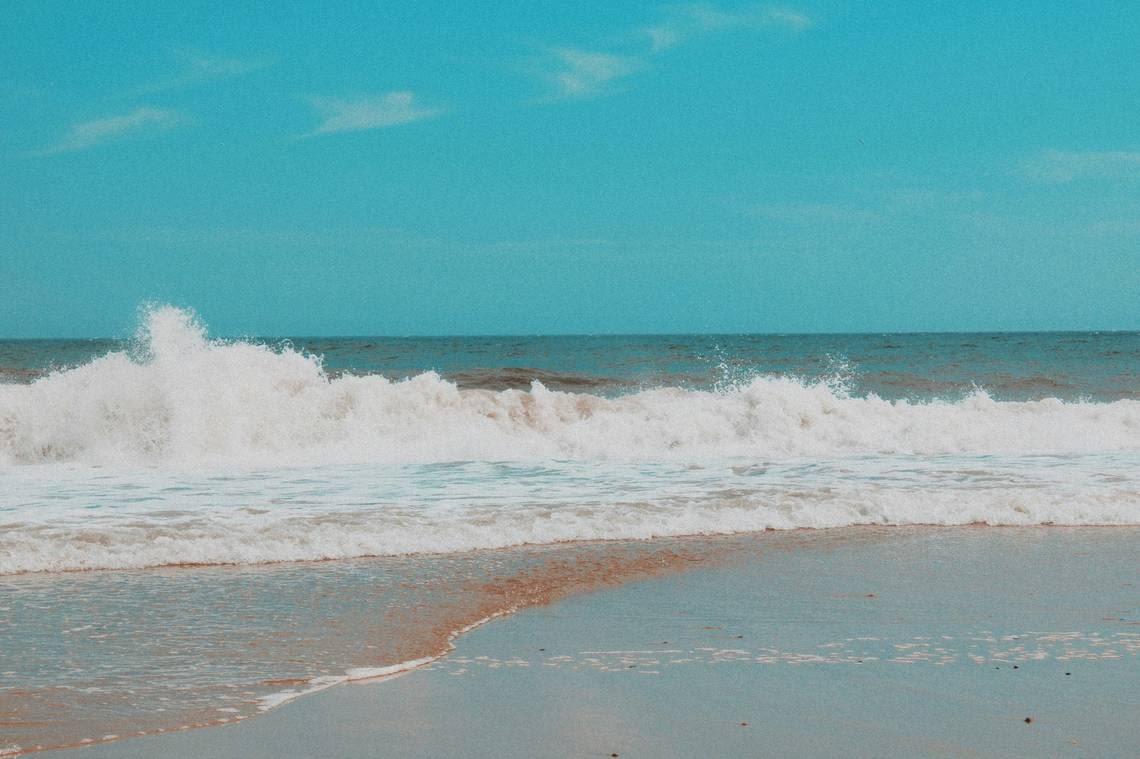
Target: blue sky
453, 168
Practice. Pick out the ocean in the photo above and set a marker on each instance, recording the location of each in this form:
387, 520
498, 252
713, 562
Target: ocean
193, 530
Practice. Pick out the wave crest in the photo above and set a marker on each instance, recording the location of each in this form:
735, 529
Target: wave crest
182, 399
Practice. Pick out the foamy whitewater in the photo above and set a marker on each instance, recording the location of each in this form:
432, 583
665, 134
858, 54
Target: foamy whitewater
180, 449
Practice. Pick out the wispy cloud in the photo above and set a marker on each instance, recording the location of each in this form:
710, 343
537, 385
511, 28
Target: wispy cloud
1058, 166
199, 68
88, 134
686, 22
583, 73
368, 112
575, 72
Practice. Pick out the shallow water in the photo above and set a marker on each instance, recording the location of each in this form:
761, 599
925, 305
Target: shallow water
863, 642
96, 656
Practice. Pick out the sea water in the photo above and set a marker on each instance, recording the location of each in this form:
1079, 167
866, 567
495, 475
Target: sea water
409, 458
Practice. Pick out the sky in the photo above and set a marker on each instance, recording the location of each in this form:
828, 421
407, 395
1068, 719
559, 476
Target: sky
412, 168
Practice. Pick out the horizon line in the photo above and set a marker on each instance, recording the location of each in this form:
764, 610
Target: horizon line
516, 335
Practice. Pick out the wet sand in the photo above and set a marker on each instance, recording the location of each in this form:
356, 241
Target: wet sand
99, 656
865, 642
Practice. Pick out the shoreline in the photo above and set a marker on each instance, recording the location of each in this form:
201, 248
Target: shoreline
492, 583
357, 676
566, 544
740, 563
361, 675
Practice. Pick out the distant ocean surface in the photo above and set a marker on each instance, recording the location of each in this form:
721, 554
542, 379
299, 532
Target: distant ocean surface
205, 476
172, 448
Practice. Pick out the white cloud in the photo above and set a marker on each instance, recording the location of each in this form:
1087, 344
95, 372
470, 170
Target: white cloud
199, 68
213, 67
787, 17
1058, 166
688, 21
88, 134
581, 73
575, 72
368, 112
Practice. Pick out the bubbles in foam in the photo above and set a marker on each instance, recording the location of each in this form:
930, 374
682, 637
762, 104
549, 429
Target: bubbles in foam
230, 517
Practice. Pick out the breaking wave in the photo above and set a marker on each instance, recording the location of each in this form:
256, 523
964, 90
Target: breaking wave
182, 399
186, 450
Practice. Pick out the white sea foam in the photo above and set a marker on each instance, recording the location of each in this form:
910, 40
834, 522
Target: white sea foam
127, 521
193, 451
188, 401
